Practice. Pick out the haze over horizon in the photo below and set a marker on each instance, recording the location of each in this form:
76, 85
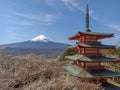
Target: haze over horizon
57, 19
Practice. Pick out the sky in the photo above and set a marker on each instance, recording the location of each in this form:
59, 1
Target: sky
22, 20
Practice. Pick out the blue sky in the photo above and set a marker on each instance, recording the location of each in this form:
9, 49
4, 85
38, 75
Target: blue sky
22, 20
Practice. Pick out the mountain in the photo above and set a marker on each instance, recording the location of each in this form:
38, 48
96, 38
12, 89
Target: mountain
38, 45
40, 38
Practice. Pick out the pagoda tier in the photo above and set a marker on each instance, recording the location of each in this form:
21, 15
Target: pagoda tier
90, 49
91, 58
91, 62
83, 73
100, 46
101, 75
90, 35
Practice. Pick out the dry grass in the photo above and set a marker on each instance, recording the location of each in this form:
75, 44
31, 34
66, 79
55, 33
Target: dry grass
32, 72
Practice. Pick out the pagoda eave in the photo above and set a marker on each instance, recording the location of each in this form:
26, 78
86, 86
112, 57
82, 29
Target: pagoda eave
74, 37
93, 73
96, 46
97, 35
82, 45
85, 58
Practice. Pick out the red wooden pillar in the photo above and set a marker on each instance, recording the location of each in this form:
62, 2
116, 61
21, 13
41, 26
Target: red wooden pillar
95, 39
84, 39
84, 51
97, 52
80, 50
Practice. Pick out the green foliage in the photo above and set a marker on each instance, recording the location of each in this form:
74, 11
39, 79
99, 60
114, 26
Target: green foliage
115, 52
108, 52
68, 53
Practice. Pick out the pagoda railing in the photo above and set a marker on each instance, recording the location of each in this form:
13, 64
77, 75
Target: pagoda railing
114, 80
92, 42
92, 54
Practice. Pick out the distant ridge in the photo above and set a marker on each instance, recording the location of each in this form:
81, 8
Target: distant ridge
38, 45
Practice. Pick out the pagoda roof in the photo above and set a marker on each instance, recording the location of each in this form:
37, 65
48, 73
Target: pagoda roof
77, 71
90, 33
93, 46
90, 58
80, 72
95, 33
103, 72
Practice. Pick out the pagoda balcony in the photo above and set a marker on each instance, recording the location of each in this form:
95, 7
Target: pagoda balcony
89, 65
89, 42
92, 54
92, 42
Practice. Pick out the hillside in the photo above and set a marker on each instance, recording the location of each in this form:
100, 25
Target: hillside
32, 72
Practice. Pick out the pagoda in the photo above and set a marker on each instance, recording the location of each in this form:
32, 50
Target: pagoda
89, 65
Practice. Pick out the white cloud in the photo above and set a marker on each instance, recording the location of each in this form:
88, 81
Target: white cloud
73, 4
115, 26
24, 23
78, 5
50, 2
40, 18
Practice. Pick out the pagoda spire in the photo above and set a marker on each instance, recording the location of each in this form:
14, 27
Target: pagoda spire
87, 19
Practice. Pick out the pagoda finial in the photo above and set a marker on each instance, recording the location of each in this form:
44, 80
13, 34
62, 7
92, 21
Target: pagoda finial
87, 19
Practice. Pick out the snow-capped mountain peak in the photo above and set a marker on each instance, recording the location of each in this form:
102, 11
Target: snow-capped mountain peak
40, 38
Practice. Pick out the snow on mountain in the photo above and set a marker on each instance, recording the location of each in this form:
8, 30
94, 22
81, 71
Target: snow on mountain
40, 38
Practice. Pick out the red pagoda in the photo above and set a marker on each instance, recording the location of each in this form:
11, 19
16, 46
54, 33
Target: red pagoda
89, 63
